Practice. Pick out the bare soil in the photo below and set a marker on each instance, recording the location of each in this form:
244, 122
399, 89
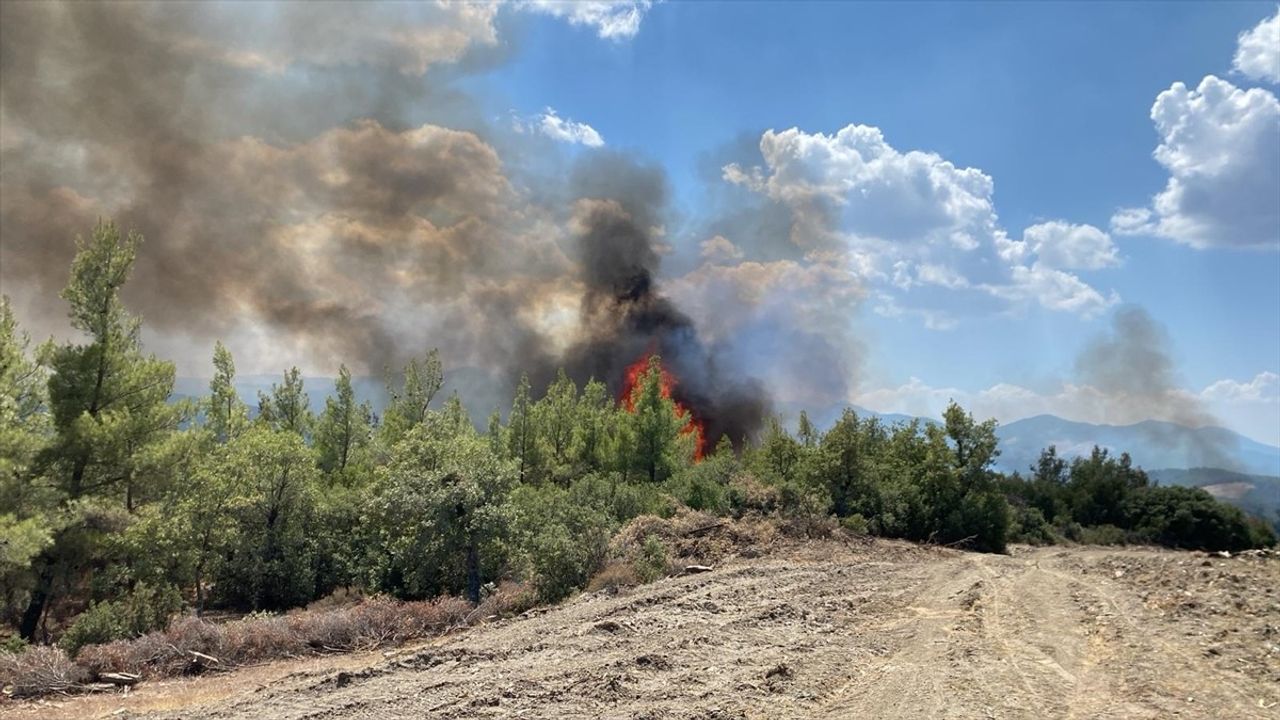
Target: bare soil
823, 629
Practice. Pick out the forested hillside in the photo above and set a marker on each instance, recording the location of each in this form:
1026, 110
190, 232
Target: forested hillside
120, 509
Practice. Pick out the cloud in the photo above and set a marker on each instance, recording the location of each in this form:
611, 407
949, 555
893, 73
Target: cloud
854, 182
612, 19
719, 249
1052, 289
1263, 388
550, 124
1221, 146
1065, 246
1258, 54
916, 222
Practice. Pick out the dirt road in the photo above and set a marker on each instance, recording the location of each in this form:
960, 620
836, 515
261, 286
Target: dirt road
831, 630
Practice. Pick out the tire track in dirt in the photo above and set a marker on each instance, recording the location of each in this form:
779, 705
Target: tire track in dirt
820, 629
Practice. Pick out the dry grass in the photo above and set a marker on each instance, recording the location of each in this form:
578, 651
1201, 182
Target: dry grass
368, 624
615, 575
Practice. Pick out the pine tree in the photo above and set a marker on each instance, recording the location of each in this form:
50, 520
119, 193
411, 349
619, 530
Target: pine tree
226, 415
107, 399
344, 427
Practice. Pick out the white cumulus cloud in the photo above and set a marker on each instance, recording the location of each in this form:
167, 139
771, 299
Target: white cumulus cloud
1221, 146
612, 19
1065, 246
1258, 54
921, 225
550, 124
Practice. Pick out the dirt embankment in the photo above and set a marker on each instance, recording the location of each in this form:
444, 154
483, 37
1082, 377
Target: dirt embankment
816, 630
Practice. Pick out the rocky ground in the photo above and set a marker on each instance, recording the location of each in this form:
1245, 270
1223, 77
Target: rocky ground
811, 630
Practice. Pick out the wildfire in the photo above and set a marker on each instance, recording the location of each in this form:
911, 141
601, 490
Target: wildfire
691, 424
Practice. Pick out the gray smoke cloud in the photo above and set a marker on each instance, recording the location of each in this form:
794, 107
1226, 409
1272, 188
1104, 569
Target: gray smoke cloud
315, 188
1132, 365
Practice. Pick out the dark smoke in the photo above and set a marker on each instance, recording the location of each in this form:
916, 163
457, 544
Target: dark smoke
625, 317
294, 172
1132, 364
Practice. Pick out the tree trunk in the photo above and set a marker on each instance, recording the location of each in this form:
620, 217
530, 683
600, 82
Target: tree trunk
473, 571
200, 588
39, 601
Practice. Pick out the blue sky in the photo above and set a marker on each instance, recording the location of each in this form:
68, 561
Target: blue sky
1051, 100
1067, 208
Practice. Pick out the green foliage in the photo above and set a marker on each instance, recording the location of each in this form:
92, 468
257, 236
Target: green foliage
267, 480
654, 427
343, 431
1191, 518
439, 510
225, 415
560, 543
287, 407
143, 609
652, 562
410, 402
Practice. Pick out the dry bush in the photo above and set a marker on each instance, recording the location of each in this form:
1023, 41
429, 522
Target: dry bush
256, 638
331, 630
39, 670
748, 495
509, 598
813, 526
432, 617
615, 575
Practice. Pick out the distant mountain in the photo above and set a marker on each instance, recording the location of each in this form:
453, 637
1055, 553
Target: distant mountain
1151, 444
1255, 494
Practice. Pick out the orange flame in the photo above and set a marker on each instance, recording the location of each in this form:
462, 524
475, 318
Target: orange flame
691, 426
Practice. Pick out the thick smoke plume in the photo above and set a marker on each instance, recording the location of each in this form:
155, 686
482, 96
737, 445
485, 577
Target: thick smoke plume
1132, 366
624, 316
313, 190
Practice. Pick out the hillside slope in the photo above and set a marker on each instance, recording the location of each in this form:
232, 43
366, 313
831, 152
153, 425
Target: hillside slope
834, 630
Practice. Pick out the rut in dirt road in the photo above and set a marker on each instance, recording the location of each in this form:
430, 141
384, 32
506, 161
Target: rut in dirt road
885, 630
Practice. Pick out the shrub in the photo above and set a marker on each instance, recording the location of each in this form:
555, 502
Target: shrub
39, 670
142, 610
747, 494
1102, 535
855, 524
558, 543
508, 598
1189, 518
617, 574
101, 623
652, 561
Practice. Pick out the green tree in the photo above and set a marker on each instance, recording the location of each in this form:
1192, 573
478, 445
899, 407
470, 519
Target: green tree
270, 486
806, 432
225, 414
27, 520
655, 426
439, 513
522, 433
343, 429
409, 403
287, 408
108, 400
555, 419
593, 420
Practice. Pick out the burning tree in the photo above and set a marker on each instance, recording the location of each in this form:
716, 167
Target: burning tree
664, 433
